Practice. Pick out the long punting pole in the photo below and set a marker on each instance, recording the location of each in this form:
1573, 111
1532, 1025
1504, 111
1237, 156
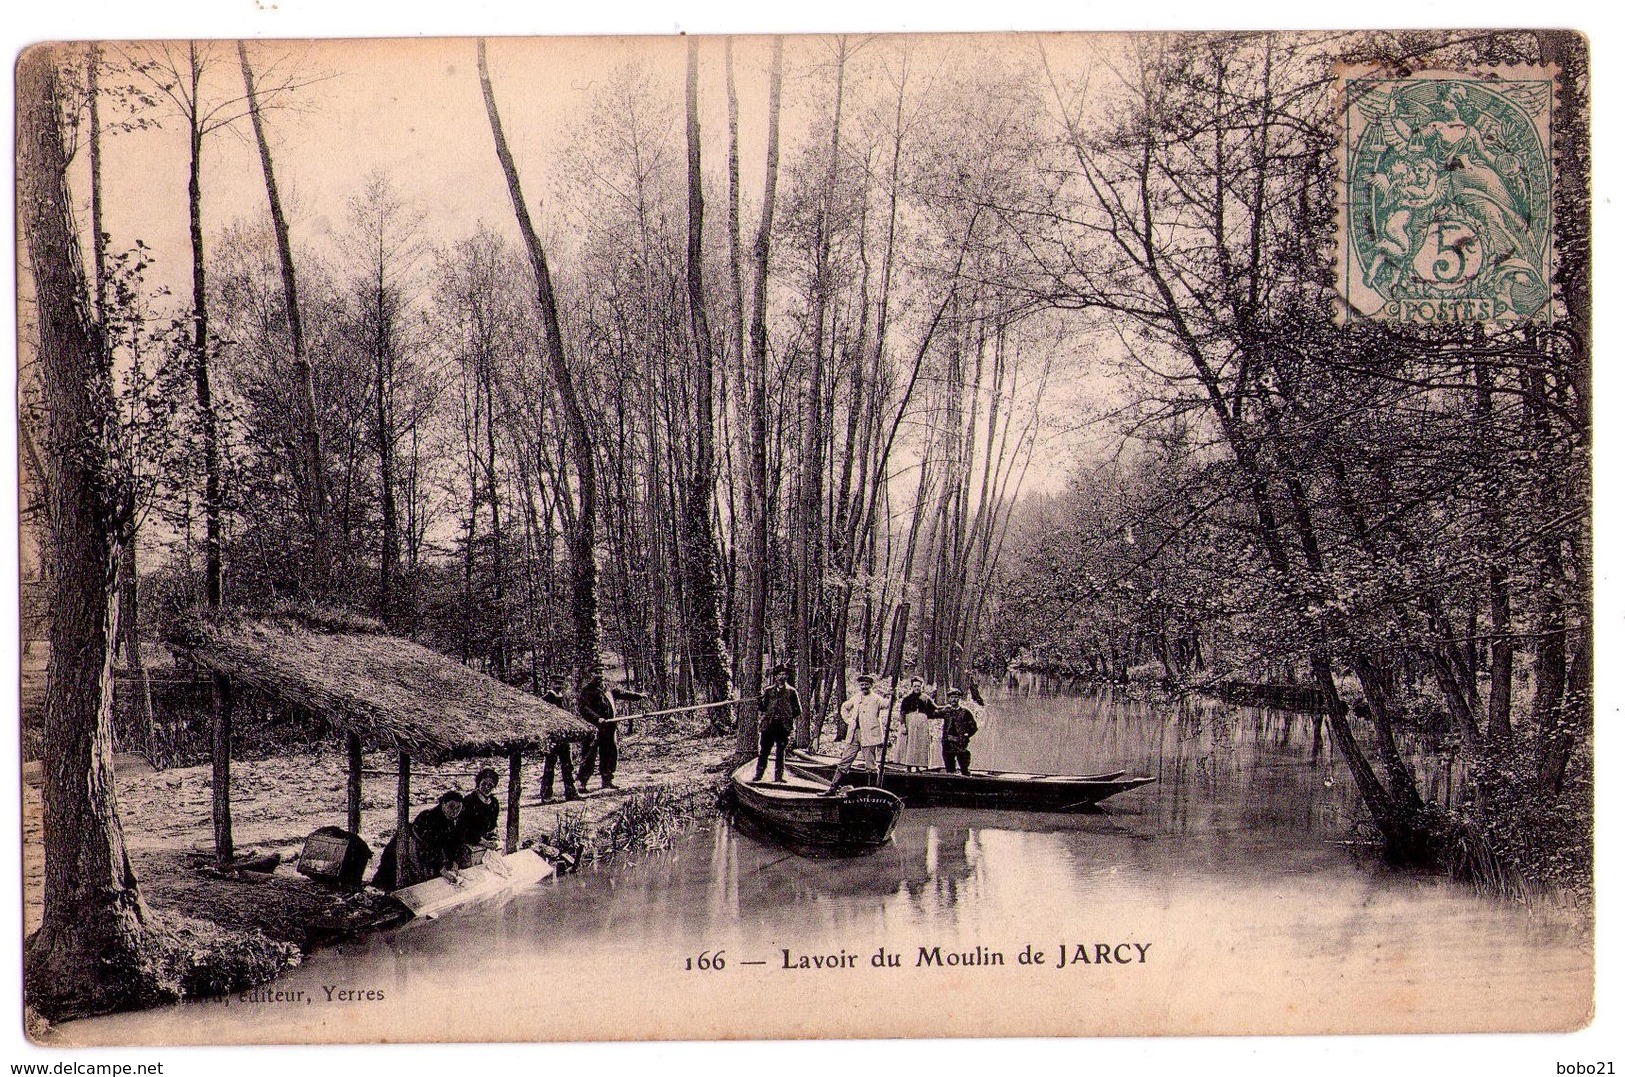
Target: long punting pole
672, 710
894, 663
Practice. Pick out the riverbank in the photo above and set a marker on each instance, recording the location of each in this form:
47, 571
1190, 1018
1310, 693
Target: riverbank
1152, 682
666, 778
1260, 918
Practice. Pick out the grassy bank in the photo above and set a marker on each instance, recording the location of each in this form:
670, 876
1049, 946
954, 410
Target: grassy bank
646, 821
222, 935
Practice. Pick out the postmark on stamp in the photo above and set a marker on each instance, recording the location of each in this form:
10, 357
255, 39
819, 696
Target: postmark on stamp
1446, 196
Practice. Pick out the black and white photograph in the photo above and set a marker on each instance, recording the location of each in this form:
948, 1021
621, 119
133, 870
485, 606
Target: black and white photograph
840, 536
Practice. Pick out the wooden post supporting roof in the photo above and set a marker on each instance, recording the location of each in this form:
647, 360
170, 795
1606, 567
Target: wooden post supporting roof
404, 844
352, 819
515, 771
386, 692
220, 756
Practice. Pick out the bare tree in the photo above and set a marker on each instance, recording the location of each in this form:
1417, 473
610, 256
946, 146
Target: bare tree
583, 541
384, 248
178, 73
314, 480
129, 614
808, 525
756, 489
704, 592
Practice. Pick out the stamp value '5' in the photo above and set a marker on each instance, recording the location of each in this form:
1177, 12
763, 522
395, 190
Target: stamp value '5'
1447, 196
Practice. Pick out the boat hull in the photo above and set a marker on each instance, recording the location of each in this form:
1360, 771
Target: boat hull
998, 790
856, 820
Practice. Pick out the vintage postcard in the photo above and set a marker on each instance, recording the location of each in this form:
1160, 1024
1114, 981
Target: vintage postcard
820, 536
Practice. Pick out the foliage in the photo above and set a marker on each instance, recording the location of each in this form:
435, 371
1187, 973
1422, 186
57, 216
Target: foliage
1296, 497
646, 821
1538, 842
975, 248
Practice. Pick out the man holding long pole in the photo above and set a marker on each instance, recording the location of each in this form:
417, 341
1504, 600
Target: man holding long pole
869, 714
865, 714
597, 705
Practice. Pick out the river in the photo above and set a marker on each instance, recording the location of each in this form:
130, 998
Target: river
1226, 898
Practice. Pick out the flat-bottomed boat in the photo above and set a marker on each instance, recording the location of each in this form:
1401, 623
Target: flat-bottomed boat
1003, 790
796, 810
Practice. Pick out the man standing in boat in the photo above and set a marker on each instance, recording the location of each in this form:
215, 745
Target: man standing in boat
865, 717
958, 727
777, 712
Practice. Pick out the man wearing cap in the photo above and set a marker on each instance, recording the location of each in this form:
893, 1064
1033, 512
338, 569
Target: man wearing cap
958, 727
597, 705
558, 756
865, 715
777, 712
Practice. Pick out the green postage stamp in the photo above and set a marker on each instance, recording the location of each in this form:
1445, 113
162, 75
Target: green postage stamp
1447, 196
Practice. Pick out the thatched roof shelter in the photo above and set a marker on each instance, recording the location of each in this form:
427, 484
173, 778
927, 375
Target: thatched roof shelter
389, 691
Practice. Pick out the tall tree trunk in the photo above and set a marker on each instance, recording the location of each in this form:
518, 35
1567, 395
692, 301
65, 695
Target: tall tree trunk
383, 380
88, 954
583, 542
128, 615
1491, 519
314, 485
499, 573
470, 418
1571, 141
809, 523
741, 576
756, 490
213, 494
1550, 614
135, 665
1395, 809
706, 650
98, 234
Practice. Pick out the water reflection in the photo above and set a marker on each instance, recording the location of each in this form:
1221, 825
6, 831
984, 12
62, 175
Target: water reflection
1231, 868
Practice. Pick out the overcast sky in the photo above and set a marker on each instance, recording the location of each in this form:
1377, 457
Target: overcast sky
412, 110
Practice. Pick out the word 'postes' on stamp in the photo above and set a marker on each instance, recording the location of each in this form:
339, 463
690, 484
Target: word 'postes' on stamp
1447, 197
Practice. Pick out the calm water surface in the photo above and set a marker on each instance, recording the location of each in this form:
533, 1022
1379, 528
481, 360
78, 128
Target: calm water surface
1226, 896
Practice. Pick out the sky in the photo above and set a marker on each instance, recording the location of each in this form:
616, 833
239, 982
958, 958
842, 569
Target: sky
412, 110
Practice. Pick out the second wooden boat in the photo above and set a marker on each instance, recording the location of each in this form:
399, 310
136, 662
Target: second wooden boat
854, 820
1005, 790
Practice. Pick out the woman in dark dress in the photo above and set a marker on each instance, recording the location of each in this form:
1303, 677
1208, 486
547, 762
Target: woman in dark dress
434, 849
477, 826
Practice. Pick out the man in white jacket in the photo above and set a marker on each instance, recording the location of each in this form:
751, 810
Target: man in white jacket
865, 715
